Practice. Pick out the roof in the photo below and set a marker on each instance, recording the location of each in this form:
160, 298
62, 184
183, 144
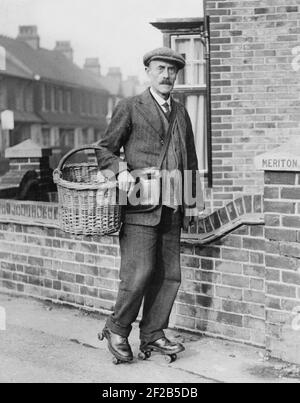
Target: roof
26, 117
73, 120
26, 62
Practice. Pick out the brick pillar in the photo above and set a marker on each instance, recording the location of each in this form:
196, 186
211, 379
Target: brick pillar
282, 233
255, 88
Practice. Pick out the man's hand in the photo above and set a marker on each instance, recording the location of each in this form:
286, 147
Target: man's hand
126, 182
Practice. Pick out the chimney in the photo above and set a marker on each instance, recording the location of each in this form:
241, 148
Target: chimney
115, 72
92, 65
65, 48
29, 34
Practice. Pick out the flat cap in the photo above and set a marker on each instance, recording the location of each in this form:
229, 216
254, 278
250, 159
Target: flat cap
166, 54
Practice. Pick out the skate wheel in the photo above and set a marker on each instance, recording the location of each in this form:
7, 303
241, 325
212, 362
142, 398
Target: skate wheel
116, 361
101, 336
171, 358
143, 356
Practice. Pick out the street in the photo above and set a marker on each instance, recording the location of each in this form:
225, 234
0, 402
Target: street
52, 344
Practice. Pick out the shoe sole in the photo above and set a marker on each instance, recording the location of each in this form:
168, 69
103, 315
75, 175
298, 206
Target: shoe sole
162, 351
114, 353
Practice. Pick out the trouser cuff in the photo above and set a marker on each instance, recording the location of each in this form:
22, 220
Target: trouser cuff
118, 328
151, 338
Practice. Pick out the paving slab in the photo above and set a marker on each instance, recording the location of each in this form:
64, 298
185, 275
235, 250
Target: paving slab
47, 343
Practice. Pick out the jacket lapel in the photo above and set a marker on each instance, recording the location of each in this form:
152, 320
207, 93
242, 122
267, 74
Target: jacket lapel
147, 108
181, 120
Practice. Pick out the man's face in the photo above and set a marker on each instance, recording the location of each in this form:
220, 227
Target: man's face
162, 76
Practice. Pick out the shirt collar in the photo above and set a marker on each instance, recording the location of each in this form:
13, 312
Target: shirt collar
160, 99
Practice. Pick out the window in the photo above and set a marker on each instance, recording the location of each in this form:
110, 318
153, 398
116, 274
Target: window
53, 103
11, 95
28, 99
89, 105
190, 37
85, 136
68, 102
48, 98
191, 89
60, 100
66, 138
191, 48
95, 105
43, 97
46, 139
20, 134
20, 95
83, 109
56, 99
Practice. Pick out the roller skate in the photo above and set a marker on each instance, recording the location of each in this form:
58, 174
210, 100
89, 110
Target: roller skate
118, 346
163, 346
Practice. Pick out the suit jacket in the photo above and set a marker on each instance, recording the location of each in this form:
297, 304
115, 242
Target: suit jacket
136, 126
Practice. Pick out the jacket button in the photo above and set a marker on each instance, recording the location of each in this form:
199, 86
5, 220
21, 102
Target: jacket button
162, 142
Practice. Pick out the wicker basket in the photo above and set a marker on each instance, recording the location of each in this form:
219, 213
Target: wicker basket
87, 206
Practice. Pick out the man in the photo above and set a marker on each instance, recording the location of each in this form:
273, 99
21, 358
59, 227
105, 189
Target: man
149, 240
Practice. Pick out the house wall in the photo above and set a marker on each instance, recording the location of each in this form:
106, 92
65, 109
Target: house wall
282, 234
255, 49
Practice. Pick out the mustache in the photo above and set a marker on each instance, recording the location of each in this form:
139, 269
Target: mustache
166, 82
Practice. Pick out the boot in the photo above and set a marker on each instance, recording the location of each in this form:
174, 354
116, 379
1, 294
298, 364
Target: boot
117, 345
163, 346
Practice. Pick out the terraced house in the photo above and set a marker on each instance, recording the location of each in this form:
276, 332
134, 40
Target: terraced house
55, 103
240, 261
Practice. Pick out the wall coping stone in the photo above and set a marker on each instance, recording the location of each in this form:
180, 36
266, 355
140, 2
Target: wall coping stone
283, 158
246, 210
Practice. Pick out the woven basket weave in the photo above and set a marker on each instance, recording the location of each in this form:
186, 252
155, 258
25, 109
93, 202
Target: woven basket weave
87, 206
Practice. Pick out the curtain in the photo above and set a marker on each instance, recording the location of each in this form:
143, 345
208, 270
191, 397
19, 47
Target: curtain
195, 105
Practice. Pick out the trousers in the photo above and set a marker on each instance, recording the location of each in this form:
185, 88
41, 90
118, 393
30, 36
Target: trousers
150, 273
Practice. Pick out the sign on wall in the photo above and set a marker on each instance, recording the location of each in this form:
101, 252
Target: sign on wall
284, 158
2, 58
7, 120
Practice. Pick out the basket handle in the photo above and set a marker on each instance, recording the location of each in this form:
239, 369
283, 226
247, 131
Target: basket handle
74, 151
64, 159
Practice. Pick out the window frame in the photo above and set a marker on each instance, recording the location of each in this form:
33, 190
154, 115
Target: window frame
193, 62
200, 27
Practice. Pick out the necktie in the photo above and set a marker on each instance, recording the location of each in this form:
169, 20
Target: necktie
167, 110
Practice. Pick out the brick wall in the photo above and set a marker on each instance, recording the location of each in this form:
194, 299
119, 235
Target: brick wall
222, 291
255, 88
282, 214
243, 286
223, 282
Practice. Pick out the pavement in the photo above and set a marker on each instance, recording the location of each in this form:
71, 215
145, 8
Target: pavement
47, 343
